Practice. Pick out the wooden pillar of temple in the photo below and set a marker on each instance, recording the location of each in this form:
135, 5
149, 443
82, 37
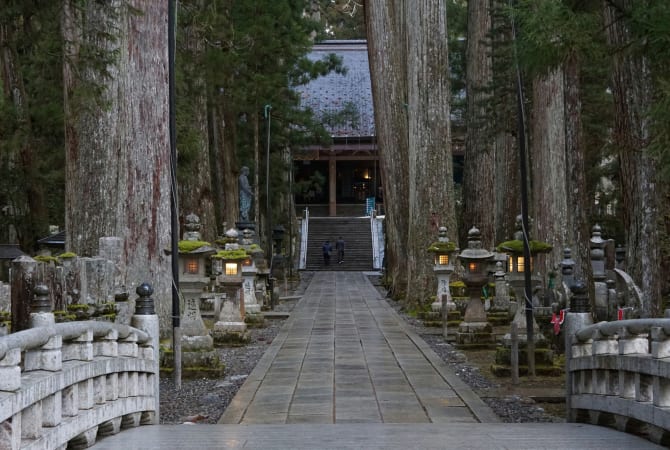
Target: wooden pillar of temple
332, 187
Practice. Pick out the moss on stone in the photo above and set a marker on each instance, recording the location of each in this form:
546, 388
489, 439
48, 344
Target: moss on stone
516, 246
442, 247
231, 255
46, 259
67, 255
189, 246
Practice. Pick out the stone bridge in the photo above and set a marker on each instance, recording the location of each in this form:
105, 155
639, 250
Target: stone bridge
62, 385
65, 385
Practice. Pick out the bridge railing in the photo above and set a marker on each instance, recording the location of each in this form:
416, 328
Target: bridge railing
619, 376
62, 385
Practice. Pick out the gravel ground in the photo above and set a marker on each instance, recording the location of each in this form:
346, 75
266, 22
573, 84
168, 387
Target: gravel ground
204, 400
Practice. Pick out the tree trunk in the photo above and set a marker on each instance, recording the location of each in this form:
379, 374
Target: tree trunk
479, 167
632, 92
576, 189
117, 146
194, 174
504, 117
222, 124
387, 59
547, 154
431, 187
26, 197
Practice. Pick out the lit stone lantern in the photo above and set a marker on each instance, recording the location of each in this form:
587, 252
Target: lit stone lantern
444, 253
517, 278
230, 327
196, 343
475, 328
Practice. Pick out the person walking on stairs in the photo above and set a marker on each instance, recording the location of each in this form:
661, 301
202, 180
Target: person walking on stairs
326, 249
339, 246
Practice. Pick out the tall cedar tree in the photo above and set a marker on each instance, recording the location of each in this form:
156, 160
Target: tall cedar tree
117, 146
31, 136
633, 95
431, 187
479, 169
413, 132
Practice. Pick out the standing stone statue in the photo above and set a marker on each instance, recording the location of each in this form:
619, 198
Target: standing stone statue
245, 194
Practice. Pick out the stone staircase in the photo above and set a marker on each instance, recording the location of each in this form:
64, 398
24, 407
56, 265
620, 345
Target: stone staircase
357, 237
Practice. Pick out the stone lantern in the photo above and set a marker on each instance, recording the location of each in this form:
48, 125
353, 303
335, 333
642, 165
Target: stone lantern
444, 253
475, 328
230, 327
196, 343
597, 255
517, 278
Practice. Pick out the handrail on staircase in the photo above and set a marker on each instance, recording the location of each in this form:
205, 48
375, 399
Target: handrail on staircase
377, 242
304, 227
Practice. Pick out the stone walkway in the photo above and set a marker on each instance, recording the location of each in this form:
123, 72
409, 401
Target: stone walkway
346, 372
346, 357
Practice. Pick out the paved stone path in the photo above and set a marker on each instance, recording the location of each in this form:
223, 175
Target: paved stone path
346, 372
346, 357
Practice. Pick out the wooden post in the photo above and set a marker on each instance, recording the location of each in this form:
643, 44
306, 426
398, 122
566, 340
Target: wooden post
514, 357
444, 316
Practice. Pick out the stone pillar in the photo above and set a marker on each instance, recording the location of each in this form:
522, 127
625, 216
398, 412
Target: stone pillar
230, 328
597, 253
578, 317
145, 319
111, 249
501, 300
518, 283
251, 306
567, 268
24, 270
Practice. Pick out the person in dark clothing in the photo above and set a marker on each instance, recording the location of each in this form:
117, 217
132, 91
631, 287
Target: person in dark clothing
327, 249
339, 246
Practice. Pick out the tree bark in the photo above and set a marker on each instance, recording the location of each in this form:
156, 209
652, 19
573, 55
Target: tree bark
578, 232
632, 92
26, 197
504, 114
117, 148
196, 193
387, 59
548, 162
431, 187
479, 167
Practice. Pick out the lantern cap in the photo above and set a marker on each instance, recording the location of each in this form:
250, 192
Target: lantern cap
515, 247
442, 247
475, 252
195, 247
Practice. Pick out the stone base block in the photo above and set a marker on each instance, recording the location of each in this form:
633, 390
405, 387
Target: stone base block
475, 327
205, 364
230, 333
196, 343
228, 327
252, 308
497, 318
254, 320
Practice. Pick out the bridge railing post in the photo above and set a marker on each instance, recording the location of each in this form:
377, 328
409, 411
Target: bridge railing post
578, 317
145, 319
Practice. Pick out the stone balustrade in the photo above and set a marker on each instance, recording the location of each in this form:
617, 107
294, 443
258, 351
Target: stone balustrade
619, 376
63, 385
